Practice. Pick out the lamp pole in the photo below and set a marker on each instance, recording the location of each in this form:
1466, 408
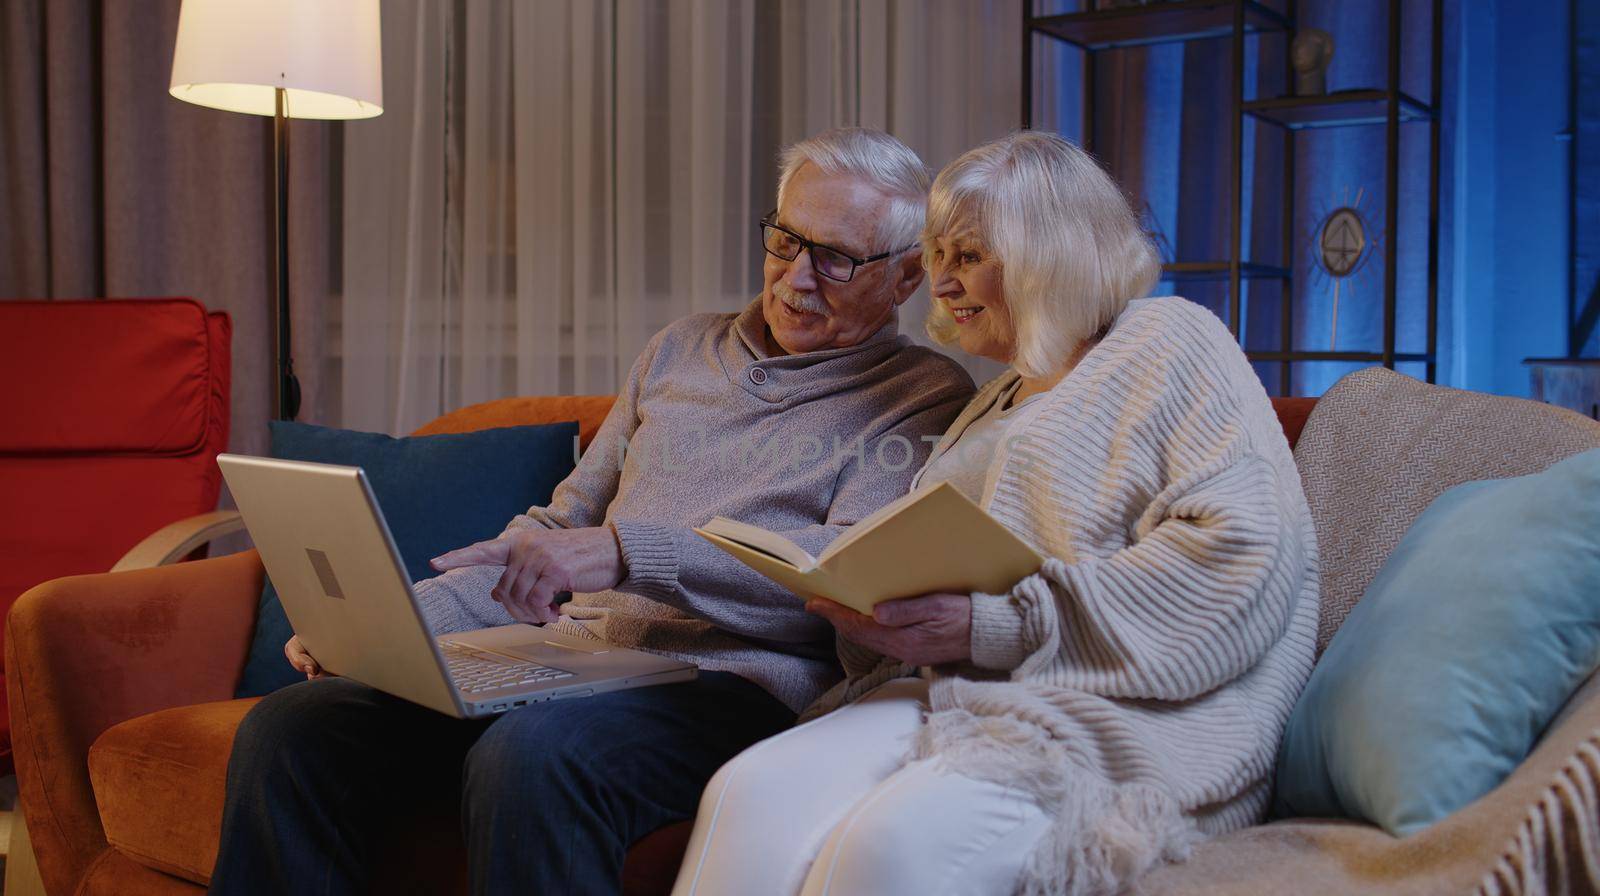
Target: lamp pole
285, 388
247, 56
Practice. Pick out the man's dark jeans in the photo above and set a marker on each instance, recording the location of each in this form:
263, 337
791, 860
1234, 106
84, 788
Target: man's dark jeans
551, 795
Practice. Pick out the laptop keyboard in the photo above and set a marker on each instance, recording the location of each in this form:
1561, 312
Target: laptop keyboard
476, 670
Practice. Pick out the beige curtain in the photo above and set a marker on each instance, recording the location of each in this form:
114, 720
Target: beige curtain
552, 181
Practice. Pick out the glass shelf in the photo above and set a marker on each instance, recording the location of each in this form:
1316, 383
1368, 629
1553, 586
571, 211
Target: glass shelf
1336, 110
1358, 357
1158, 22
1219, 270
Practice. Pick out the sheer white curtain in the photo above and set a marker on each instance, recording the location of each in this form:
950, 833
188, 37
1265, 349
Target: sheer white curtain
552, 181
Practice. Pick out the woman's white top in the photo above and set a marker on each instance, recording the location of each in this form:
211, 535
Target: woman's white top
967, 463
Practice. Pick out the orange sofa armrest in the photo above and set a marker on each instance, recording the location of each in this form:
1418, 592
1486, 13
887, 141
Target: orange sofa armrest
83, 653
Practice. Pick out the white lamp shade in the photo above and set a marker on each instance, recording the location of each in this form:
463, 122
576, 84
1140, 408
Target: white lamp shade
234, 54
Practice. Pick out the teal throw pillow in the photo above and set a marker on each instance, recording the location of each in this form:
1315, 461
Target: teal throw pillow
1473, 634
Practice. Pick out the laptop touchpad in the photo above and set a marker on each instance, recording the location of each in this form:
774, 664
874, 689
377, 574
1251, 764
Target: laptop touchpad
537, 650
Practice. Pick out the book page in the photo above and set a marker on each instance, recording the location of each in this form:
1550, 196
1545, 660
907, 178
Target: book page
934, 539
760, 539
940, 541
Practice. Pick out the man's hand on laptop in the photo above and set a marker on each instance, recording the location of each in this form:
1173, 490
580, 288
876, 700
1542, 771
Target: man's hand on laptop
301, 659
542, 563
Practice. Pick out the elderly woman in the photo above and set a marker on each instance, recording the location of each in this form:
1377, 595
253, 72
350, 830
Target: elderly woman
1128, 698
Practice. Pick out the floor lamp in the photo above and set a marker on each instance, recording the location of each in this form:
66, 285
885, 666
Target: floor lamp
287, 59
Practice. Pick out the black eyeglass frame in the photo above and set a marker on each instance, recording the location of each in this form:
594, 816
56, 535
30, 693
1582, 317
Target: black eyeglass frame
768, 220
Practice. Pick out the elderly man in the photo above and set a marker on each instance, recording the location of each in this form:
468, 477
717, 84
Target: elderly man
802, 414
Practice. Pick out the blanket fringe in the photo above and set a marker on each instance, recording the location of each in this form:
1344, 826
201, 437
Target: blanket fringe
1556, 849
1103, 837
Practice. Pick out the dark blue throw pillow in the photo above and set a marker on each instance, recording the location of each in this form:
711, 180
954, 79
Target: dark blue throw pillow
438, 493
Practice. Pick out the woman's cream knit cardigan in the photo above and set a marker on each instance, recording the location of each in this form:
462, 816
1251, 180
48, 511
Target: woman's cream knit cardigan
1140, 682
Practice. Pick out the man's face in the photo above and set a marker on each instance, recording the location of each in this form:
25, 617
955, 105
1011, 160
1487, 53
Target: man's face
807, 312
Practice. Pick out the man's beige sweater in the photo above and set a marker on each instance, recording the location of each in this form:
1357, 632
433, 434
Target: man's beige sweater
1139, 683
711, 424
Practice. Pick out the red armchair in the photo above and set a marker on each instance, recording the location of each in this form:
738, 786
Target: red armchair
166, 646
114, 413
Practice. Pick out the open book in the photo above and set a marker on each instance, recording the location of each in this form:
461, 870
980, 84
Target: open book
933, 539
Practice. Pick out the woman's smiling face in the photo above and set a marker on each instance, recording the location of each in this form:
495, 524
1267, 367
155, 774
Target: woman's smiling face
965, 276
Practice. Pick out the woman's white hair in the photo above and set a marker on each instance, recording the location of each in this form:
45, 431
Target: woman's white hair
1072, 254
877, 158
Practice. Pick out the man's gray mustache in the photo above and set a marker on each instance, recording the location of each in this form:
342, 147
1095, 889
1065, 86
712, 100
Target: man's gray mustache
808, 302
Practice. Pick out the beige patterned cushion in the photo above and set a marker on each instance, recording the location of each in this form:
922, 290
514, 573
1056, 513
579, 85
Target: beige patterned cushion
1380, 446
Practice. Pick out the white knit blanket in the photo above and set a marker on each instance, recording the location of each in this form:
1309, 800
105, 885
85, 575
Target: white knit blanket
1154, 660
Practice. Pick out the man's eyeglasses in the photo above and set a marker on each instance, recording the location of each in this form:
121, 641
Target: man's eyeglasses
832, 263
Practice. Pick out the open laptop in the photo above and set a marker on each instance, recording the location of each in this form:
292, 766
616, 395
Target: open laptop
340, 577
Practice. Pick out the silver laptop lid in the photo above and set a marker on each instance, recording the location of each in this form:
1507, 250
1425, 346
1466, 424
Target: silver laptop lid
339, 575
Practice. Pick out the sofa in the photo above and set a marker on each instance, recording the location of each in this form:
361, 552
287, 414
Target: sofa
123, 741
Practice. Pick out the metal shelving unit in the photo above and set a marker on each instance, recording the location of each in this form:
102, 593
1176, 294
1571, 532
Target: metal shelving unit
1157, 23
1096, 31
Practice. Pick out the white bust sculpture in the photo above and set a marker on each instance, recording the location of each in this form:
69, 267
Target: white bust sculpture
1310, 54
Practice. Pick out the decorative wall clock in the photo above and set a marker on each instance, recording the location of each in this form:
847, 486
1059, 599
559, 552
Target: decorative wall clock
1341, 243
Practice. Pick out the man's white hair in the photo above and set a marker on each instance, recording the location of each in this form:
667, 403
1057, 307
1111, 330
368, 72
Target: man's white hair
1072, 254
878, 159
